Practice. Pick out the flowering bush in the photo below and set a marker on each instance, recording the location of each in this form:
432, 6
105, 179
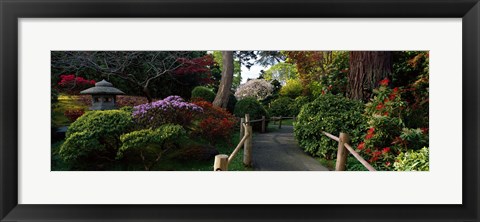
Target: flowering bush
172, 109
388, 134
216, 123
73, 114
256, 88
73, 84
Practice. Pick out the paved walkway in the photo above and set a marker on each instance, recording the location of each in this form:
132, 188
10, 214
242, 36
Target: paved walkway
279, 151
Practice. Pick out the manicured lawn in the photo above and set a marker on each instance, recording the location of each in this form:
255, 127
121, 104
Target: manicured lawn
65, 102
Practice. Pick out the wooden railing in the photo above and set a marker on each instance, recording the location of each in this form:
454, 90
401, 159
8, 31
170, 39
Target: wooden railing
343, 139
279, 119
246, 133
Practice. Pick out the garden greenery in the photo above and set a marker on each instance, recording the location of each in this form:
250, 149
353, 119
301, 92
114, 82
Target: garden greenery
252, 107
150, 144
95, 137
412, 160
281, 107
203, 93
332, 114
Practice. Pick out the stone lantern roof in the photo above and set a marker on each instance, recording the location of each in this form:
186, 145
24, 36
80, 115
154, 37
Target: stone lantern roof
102, 88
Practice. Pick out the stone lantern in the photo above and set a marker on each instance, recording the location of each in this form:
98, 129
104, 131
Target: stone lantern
103, 95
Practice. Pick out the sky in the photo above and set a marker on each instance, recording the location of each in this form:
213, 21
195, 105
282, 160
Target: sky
253, 73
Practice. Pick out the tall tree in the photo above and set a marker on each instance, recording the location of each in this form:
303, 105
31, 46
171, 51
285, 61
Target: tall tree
221, 99
367, 68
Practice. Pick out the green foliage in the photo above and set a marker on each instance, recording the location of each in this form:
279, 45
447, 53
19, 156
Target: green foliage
330, 113
281, 72
254, 108
81, 146
413, 160
204, 93
414, 138
292, 89
144, 139
94, 137
281, 107
298, 103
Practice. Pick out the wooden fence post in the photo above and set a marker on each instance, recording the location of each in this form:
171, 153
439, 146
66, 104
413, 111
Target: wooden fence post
242, 130
247, 123
342, 152
263, 124
280, 123
247, 149
221, 163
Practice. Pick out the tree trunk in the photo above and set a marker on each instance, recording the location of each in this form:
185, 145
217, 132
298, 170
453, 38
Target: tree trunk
146, 91
366, 71
221, 99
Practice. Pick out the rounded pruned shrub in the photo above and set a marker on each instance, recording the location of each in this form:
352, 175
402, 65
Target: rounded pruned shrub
332, 114
254, 108
148, 145
281, 107
204, 93
95, 137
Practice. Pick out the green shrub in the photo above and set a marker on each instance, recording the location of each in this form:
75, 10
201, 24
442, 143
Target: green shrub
413, 160
204, 93
333, 114
254, 108
150, 144
296, 106
95, 137
292, 89
281, 107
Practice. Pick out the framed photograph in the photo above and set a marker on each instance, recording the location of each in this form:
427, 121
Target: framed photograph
317, 110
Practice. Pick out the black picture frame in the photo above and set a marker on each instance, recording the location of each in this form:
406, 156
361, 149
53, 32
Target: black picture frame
11, 11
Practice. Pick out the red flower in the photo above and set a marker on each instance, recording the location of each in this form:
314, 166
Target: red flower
367, 150
386, 150
384, 82
371, 130
361, 146
387, 164
377, 153
392, 96
395, 90
380, 106
424, 130
385, 113
369, 136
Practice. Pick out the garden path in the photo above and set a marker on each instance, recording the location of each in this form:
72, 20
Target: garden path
279, 151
